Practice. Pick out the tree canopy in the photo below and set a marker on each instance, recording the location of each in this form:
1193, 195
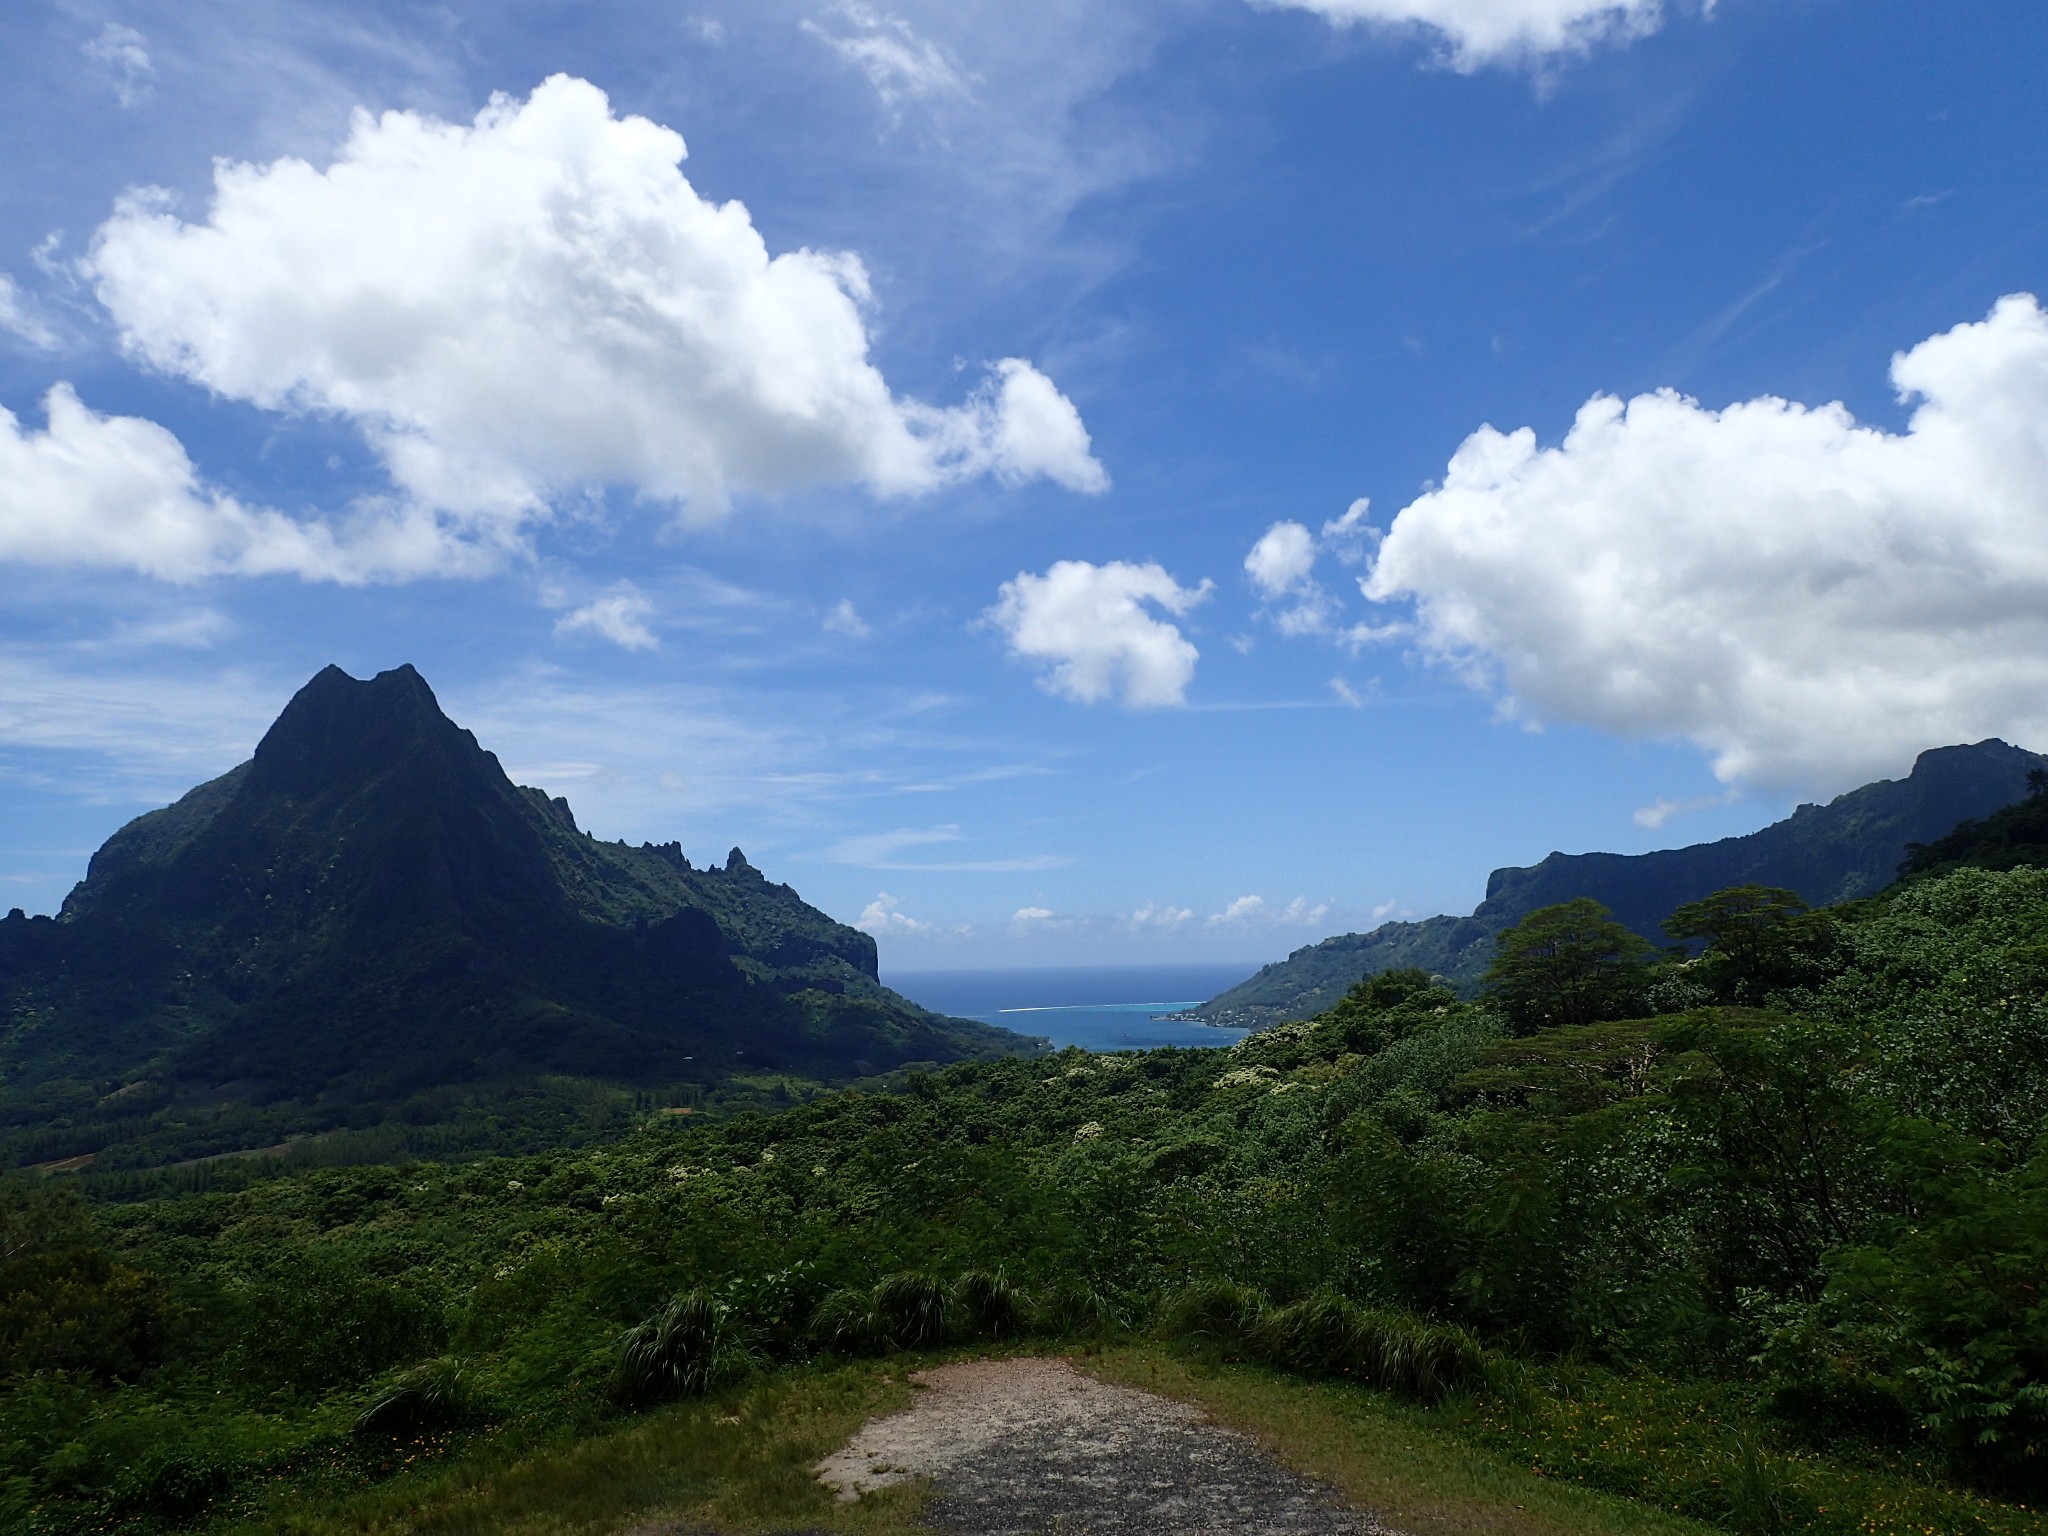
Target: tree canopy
1568, 964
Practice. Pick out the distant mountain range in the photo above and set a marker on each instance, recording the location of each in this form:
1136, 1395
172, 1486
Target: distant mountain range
369, 909
1850, 847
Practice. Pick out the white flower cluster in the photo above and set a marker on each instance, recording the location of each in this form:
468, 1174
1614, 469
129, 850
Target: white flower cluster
1246, 1077
1294, 1029
1089, 1131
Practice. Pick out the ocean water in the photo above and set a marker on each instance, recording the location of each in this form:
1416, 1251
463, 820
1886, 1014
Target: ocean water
1096, 1007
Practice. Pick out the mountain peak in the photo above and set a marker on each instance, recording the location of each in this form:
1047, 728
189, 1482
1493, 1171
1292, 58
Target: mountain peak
338, 725
369, 907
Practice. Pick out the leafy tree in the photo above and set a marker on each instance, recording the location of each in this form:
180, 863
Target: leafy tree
1779, 1143
1746, 929
1386, 1007
1948, 1312
1568, 964
64, 1303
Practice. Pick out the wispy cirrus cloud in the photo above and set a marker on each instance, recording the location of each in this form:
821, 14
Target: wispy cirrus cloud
898, 849
1478, 33
899, 62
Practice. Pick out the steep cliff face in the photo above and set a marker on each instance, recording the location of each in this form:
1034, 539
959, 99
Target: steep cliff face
1850, 847
369, 906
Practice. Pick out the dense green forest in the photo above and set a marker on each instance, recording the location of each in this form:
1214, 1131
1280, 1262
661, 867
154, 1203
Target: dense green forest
1754, 1227
1850, 848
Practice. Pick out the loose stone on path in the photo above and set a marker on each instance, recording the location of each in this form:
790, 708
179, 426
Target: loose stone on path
1026, 1446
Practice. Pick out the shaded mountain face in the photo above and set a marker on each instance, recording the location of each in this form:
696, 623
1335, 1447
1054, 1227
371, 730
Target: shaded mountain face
1851, 847
369, 907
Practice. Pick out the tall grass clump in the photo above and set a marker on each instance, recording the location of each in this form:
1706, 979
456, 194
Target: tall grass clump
1218, 1314
1325, 1334
913, 1311
845, 1323
683, 1350
1760, 1501
1423, 1360
441, 1393
989, 1306
1079, 1309
905, 1311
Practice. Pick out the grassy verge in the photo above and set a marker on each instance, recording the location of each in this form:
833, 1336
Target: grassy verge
738, 1461
1571, 1451
1592, 1455
1395, 1460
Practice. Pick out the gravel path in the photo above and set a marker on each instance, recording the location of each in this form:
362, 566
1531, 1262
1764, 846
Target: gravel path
1029, 1446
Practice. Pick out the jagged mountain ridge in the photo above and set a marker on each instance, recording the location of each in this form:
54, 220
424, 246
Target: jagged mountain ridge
369, 906
1850, 847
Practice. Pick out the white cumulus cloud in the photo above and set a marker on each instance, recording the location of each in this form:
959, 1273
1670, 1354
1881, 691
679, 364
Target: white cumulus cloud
1482, 32
1281, 567
885, 915
1091, 626
1651, 817
537, 303
1161, 914
1809, 599
121, 492
1238, 910
1282, 559
1249, 910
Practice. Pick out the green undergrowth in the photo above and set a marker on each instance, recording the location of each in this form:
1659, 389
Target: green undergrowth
738, 1460
1402, 1462
1566, 1450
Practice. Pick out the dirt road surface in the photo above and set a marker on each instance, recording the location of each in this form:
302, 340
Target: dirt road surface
1030, 1446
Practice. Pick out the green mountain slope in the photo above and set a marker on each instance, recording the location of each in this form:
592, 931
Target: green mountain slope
369, 909
1848, 848
2012, 838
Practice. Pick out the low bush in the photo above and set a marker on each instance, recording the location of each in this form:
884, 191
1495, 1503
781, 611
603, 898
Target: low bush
174, 1483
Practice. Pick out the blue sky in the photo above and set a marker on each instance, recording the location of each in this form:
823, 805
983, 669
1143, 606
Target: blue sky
1044, 480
